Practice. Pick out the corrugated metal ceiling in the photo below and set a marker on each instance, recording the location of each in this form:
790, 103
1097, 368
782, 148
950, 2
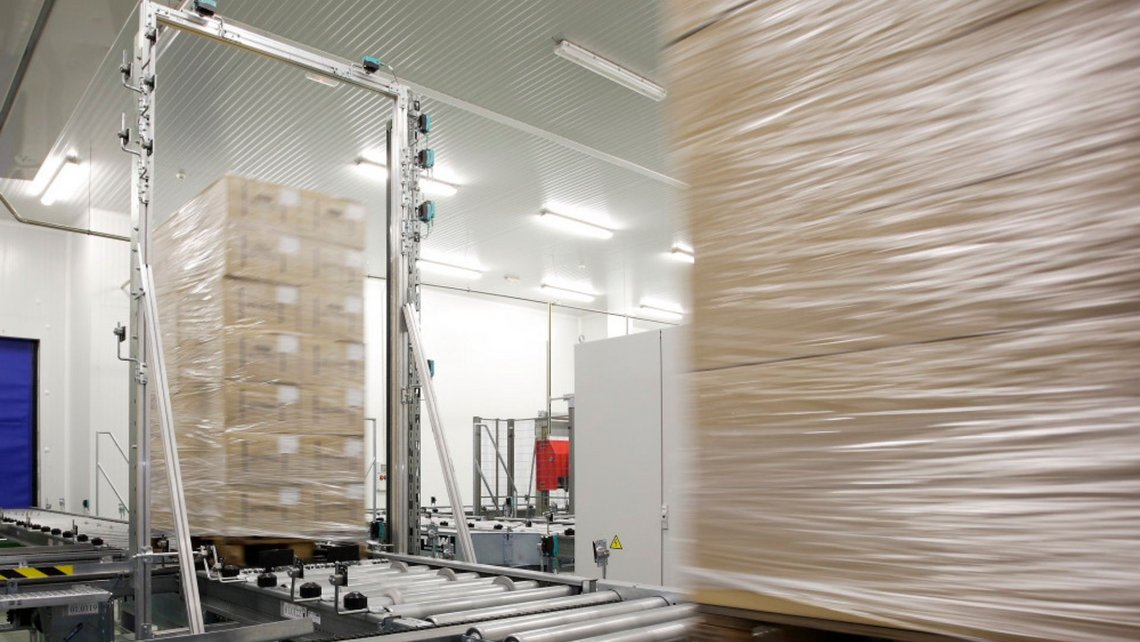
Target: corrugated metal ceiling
221, 110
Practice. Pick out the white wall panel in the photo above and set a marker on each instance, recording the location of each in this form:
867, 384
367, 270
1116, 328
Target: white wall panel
34, 297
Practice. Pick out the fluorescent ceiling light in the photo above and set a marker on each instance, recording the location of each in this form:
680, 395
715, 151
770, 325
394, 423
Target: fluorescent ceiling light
448, 269
566, 293
433, 187
67, 180
574, 225
322, 79
661, 310
682, 254
429, 186
609, 69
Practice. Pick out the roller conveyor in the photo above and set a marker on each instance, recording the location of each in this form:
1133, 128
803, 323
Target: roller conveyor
27, 527
427, 599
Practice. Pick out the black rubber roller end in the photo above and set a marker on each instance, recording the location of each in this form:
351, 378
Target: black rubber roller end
96, 541
56, 531
355, 601
46, 529
68, 535
310, 589
229, 570
82, 537
267, 580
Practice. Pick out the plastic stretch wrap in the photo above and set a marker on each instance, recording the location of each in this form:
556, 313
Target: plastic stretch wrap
260, 295
917, 310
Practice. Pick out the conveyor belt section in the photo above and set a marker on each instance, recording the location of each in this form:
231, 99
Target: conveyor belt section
38, 527
411, 601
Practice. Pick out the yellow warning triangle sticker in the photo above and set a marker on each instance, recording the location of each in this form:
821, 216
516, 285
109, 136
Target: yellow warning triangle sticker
615, 544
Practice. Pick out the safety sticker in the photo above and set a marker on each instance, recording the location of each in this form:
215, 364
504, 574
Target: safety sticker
36, 572
615, 544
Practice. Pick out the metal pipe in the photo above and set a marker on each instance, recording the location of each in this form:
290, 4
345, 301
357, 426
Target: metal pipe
99, 469
524, 608
372, 468
118, 496
613, 624
510, 599
498, 630
428, 593
465, 548
444, 593
501, 462
58, 226
178, 511
413, 583
549, 361
666, 632
585, 584
477, 468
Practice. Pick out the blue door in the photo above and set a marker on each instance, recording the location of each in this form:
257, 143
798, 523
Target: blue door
17, 422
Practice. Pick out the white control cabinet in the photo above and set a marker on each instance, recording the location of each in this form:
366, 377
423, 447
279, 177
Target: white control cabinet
630, 455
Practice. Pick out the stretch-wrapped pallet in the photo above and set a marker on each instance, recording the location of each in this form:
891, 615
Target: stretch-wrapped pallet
916, 310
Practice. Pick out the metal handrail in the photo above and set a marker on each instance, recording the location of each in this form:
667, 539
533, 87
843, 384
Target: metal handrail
99, 469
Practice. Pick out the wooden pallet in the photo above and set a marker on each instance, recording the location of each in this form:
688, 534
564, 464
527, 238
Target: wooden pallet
246, 551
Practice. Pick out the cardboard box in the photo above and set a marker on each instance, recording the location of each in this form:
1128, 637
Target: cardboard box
258, 458
292, 357
332, 360
272, 508
333, 313
264, 407
255, 304
265, 355
284, 256
334, 410
339, 221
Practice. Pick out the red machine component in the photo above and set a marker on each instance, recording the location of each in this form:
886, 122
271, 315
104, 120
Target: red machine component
552, 457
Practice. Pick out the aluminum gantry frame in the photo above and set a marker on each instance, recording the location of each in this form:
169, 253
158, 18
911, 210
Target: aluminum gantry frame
403, 238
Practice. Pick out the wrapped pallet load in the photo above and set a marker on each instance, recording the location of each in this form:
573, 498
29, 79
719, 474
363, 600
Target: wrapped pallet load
260, 294
917, 311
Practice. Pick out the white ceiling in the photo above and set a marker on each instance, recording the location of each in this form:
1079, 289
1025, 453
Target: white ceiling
519, 127
74, 39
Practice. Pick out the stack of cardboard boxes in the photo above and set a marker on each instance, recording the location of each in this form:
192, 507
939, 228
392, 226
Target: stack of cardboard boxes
916, 313
260, 291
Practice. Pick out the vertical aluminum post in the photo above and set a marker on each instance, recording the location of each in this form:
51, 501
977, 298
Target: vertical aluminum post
514, 490
143, 166
401, 398
477, 452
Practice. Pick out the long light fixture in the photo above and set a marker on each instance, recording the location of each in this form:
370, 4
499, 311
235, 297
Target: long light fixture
448, 269
609, 69
558, 292
574, 225
663, 311
429, 186
66, 181
682, 254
